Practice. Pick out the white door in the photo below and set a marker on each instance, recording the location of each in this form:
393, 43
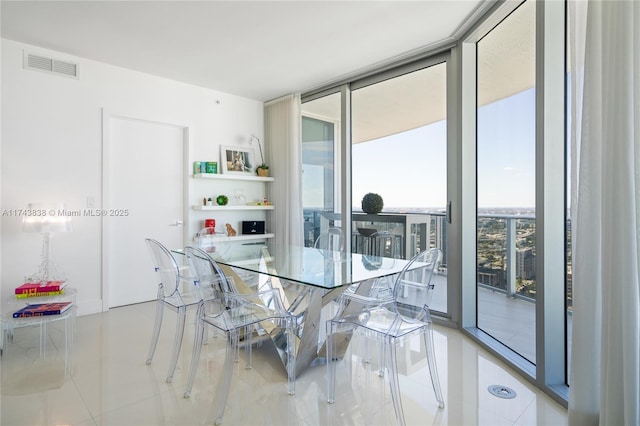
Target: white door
144, 184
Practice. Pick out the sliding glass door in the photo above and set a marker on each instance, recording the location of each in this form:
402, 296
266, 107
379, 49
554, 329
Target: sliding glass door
506, 190
399, 151
320, 154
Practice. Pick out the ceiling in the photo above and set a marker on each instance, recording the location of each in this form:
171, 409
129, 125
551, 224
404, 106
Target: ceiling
255, 49
506, 65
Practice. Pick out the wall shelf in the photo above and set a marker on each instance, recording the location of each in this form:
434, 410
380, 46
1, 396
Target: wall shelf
232, 177
221, 208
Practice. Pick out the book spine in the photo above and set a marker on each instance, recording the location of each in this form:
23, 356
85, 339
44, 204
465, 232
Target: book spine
39, 294
36, 290
35, 314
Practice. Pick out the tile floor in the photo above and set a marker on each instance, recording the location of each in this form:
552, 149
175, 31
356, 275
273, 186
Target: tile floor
111, 385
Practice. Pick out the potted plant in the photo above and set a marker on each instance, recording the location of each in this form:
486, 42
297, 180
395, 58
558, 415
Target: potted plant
262, 169
372, 203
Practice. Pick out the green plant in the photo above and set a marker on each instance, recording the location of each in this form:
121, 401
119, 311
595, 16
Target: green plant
222, 200
372, 203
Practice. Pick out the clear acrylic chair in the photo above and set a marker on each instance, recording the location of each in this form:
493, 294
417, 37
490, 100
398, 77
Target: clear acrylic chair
206, 238
389, 322
332, 240
176, 291
238, 316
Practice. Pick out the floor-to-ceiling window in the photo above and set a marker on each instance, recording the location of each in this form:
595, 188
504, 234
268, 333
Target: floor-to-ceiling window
506, 192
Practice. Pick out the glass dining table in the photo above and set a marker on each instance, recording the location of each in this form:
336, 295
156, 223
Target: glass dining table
310, 279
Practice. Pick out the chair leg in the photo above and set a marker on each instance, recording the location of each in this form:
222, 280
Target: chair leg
156, 331
381, 359
331, 364
223, 393
177, 342
248, 334
392, 360
195, 357
431, 361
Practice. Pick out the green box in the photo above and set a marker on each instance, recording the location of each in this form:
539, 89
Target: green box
212, 167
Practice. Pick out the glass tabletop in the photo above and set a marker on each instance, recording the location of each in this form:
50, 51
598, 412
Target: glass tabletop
311, 266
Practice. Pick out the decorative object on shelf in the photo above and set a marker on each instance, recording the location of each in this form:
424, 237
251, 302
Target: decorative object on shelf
236, 160
222, 200
250, 227
230, 231
210, 225
239, 197
211, 167
263, 202
372, 203
262, 169
46, 219
208, 201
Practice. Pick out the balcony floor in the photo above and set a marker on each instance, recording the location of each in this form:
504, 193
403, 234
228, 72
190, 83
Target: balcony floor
509, 320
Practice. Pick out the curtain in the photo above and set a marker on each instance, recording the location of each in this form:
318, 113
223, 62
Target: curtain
605, 76
282, 134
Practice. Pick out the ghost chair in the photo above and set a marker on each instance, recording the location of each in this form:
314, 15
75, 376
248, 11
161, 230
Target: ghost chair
331, 240
390, 322
176, 291
238, 316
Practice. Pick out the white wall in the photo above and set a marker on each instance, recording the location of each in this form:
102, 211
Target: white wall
52, 151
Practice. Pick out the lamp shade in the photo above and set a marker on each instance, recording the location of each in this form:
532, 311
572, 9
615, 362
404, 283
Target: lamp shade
46, 218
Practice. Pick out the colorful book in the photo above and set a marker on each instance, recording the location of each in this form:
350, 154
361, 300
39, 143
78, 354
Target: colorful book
41, 309
41, 287
40, 294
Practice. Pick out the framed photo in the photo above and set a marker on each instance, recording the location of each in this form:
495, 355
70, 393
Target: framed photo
237, 160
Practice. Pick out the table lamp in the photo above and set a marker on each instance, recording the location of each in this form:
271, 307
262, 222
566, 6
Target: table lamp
46, 218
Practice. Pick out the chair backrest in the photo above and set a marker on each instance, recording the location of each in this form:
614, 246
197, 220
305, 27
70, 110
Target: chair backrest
217, 245
413, 288
166, 267
206, 239
332, 240
207, 271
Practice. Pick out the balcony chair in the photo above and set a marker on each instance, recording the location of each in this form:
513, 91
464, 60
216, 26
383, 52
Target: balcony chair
390, 322
238, 316
176, 290
332, 240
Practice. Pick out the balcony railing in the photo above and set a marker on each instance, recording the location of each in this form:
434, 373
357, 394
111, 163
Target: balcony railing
505, 244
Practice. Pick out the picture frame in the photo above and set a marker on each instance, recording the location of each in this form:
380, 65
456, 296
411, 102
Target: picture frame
237, 160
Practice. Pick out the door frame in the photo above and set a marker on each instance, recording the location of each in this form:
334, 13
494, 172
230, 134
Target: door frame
107, 115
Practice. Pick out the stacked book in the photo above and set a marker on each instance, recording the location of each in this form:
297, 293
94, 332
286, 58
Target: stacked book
42, 309
39, 289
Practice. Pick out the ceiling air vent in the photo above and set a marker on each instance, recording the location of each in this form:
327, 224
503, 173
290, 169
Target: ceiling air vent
50, 65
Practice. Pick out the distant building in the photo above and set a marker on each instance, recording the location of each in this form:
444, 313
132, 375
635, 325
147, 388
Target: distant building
440, 239
525, 264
